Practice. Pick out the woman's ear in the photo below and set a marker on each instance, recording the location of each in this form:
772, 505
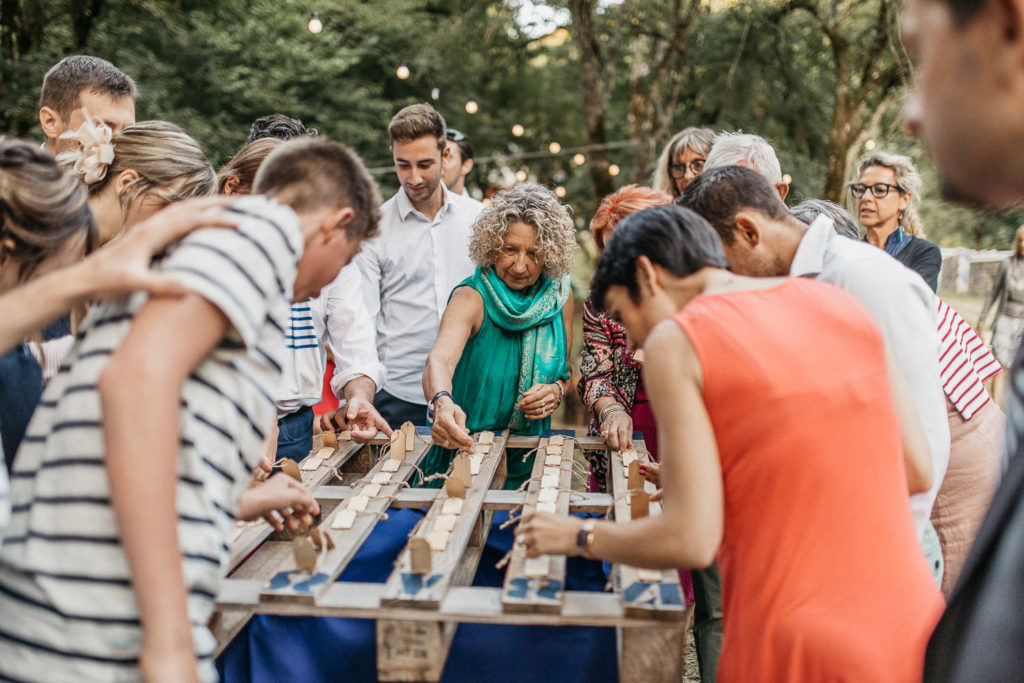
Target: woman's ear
231, 185
124, 179
905, 199
646, 275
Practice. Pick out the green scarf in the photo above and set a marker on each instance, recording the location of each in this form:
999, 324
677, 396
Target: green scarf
531, 311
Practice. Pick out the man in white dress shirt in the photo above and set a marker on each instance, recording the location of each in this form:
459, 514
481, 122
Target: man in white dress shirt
410, 270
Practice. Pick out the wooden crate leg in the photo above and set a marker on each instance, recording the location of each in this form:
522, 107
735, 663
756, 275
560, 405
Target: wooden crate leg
651, 655
412, 650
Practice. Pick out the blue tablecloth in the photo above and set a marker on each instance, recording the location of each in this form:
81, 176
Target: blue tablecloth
284, 649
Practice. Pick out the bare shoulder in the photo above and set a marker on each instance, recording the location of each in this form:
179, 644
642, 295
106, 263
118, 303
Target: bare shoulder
668, 349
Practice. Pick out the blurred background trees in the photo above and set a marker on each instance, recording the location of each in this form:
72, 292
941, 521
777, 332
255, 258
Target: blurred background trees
576, 94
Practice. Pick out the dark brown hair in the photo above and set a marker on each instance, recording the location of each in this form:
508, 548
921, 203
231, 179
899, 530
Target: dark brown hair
417, 121
721, 193
70, 77
314, 173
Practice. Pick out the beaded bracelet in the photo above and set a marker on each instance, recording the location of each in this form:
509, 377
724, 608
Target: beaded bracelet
608, 410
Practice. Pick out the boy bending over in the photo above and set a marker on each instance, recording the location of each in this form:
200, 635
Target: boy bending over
125, 488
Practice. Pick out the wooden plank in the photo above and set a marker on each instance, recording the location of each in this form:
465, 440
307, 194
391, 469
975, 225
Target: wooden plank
465, 604
290, 584
494, 499
649, 655
523, 591
413, 650
654, 593
251, 534
406, 589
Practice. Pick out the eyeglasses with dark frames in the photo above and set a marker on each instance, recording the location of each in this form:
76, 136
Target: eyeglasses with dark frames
455, 135
878, 190
679, 170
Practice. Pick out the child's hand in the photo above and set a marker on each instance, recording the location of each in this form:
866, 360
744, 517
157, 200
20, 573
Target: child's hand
283, 495
651, 471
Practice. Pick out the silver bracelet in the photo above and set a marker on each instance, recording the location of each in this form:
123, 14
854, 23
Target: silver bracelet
561, 392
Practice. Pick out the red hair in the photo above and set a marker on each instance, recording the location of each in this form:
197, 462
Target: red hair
619, 204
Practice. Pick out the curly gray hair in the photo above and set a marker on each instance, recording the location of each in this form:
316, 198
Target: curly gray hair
534, 205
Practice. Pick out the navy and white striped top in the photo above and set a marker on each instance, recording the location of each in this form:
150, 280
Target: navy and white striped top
67, 608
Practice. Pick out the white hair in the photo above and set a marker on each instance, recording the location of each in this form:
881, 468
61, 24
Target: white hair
745, 149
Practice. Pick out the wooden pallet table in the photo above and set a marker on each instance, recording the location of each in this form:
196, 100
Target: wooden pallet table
419, 607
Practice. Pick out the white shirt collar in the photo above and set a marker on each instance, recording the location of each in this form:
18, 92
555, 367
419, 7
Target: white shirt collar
405, 207
810, 254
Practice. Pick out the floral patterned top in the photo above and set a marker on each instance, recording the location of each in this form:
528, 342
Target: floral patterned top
607, 368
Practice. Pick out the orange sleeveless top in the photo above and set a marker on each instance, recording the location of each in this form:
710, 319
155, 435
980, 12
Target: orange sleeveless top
823, 576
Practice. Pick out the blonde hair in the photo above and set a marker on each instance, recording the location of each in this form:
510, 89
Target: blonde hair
42, 208
171, 165
907, 179
245, 164
697, 139
534, 205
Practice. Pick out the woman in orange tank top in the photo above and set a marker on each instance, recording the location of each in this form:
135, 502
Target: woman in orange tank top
788, 452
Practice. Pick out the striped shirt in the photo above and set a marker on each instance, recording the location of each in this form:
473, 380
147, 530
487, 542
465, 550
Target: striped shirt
964, 362
303, 376
67, 605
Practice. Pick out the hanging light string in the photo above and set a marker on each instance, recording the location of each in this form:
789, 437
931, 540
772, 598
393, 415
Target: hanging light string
524, 156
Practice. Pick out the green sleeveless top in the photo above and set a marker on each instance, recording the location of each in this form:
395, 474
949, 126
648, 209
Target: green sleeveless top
521, 342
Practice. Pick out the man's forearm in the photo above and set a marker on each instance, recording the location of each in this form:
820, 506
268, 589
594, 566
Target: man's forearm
361, 387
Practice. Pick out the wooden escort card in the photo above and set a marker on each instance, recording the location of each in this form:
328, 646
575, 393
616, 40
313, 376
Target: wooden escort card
252, 534
350, 524
537, 584
405, 588
644, 592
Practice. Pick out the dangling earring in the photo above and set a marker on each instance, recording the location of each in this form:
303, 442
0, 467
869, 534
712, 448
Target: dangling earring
899, 220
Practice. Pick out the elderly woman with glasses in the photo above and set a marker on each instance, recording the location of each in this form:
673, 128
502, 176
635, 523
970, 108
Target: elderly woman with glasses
887, 192
682, 160
501, 359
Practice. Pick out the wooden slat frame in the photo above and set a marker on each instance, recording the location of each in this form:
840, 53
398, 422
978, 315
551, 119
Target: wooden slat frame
661, 599
521, 593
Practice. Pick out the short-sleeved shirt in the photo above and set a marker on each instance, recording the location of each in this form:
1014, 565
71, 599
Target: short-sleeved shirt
66, 600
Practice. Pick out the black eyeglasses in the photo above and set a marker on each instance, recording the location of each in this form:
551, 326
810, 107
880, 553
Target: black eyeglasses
878, 190
455, 135
679, 170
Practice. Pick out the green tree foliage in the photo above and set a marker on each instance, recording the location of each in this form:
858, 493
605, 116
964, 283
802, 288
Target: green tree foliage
819, 78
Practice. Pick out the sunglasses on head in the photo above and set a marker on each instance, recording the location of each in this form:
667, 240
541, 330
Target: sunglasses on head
455, 135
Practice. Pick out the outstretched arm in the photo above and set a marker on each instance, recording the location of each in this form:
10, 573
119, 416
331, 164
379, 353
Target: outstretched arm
461, 320
689, 530
148, 369
115, 270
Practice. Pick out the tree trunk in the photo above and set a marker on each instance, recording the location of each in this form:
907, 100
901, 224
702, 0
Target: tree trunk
594, 97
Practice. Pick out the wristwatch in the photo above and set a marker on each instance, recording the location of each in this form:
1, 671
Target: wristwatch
430, 403
585, 536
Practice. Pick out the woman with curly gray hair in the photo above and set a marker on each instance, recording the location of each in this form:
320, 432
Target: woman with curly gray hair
501, 359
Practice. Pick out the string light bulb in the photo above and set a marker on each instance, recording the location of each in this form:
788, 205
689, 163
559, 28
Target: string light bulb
869, 145
559, 191
472, 107
614, 170
787, 179
402, 71
554, 148
315, 25
521, 175
579, 159
518, 130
